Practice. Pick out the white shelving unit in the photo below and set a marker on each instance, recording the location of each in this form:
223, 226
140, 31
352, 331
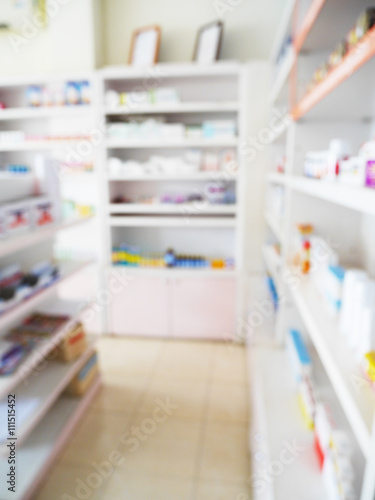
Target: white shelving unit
206, 93
342, 214
44, 432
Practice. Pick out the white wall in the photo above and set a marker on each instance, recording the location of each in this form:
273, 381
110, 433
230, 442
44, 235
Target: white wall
250, 26
66, 44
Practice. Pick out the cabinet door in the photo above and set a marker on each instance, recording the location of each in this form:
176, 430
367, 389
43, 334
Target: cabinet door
141, 308
204, 308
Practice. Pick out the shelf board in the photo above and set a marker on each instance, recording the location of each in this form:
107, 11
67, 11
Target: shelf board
47, 387
354, 60
187, 143
170, 70
9, 176
38, 454
176, 108
29, 238
276, 419
275, 225
197, 176
38, 145
184, 220
273, 264
68, 269
44, 112
360, 199
307, 24
339, 363
162, 272
276, 178
46, 78
200, 208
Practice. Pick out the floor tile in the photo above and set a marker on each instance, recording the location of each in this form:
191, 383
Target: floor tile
228, 403
130, 356
222, 490
166, 448
129, 486
188, 395
120, 393
185, 360
176, 414
98, 435
225, 453
230, 364
76, 481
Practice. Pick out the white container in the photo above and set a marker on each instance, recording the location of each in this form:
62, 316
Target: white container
346, 314
366, 342
353, 171
338, 150
173, 131
360, 291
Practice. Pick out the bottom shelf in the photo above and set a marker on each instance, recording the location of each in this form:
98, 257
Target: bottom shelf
283, 457
36, 456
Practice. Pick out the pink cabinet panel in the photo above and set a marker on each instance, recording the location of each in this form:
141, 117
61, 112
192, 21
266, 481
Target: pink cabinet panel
204, 308
141, 309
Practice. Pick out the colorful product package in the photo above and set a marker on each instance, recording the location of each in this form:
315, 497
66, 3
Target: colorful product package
42, 211
370, 174
17, 217
84, 378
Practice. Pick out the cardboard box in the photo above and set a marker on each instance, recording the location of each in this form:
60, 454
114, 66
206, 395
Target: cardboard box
84, 378
72, 346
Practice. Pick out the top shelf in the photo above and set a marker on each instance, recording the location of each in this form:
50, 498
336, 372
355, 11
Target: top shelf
171, 71
354, 60
25, 80
182, 107
307, 24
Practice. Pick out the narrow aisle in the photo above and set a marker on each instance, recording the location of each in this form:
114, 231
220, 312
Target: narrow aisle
171, 422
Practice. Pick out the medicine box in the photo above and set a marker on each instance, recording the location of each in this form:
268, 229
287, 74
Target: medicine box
298, 355
72, 346
219, 129
307, 401
17, 217
369, 366
42, 211
333, 288
84, 378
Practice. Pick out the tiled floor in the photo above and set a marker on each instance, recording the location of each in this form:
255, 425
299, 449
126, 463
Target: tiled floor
173, 418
